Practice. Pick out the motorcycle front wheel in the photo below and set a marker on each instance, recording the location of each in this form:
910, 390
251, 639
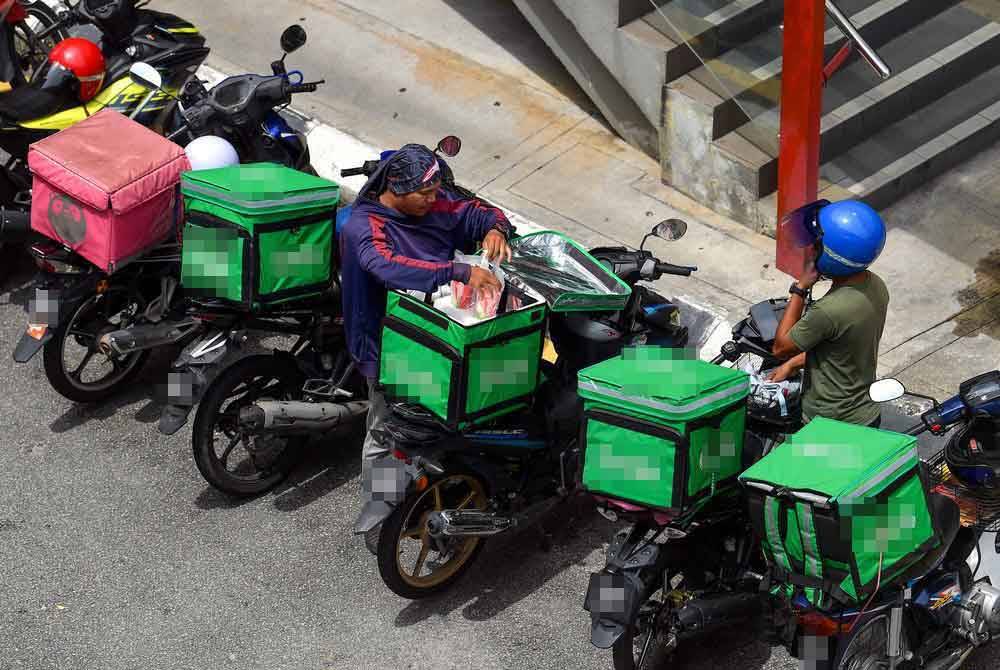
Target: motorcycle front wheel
233, 461
74, 364
411, 562
31, 51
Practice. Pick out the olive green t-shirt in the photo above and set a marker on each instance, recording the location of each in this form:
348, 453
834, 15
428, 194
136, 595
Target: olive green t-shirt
840, 335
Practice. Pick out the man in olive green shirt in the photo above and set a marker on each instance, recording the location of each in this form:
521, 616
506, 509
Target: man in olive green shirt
837, 343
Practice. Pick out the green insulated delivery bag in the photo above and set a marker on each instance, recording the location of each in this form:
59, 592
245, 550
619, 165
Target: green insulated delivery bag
257, 234
840, 508
661, 431
463, 373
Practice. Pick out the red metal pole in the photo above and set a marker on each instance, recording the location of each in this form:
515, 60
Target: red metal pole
801, 110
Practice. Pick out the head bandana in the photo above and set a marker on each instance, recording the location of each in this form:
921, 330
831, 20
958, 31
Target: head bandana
412, 168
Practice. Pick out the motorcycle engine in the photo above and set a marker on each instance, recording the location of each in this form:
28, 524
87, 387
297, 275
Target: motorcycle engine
977, 617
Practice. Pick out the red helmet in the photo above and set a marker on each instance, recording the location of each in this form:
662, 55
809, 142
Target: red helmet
84, 59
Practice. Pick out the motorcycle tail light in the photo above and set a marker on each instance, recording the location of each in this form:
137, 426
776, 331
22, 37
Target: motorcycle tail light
820, 625
37, 330
399, 455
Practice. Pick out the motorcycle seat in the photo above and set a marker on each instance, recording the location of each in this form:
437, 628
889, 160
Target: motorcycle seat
26, 103
947, 522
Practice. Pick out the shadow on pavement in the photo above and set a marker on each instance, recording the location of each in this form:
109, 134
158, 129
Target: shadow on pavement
330, 463
504, 25
512, 568
148, 386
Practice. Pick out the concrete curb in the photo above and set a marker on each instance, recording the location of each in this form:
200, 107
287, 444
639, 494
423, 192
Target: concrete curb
333, 150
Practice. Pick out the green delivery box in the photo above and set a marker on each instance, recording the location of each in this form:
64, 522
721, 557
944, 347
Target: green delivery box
257, 234
840, 508
659, 430
465, 374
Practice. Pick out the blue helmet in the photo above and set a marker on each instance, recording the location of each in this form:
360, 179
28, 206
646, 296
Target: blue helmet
852, 235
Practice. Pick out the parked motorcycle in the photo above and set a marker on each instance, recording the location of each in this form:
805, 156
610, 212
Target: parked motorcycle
103, 327
937, 612
28, 31
48, 103
254, 415
686, 575
443, 491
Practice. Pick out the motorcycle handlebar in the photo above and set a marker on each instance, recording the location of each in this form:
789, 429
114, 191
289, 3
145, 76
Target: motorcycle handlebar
352, 172
679, 270
303, 88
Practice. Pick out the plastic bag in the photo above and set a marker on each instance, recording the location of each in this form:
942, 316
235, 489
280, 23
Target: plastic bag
483, 304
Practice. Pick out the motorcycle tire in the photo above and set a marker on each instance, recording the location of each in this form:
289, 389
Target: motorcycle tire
70, 385
623, 653
389, 552
210, 411
43, 17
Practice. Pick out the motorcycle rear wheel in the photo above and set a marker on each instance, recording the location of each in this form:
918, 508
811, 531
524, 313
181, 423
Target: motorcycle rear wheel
408, 524
270, 459
628, 649
92, 317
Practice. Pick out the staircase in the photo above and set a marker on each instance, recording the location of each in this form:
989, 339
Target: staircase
697, 83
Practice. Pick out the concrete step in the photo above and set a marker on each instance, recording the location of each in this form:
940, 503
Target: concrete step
945, 52
926, 143
747, 80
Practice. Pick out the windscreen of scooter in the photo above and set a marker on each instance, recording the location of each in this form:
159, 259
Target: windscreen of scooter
568, 277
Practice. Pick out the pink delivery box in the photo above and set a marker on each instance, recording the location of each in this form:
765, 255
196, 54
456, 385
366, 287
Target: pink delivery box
107, 188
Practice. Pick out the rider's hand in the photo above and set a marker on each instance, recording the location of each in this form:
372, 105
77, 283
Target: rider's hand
485, 280
496, 247
810, 275
781, 373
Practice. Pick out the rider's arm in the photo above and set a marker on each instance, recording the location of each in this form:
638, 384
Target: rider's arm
804, 334
476, 219
402, 272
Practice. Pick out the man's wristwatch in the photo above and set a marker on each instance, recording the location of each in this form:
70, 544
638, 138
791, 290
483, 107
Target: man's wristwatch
794, 289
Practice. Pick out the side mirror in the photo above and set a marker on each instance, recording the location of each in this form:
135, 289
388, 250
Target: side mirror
145, 75
885, 390
293, 39
450, 146
670, 230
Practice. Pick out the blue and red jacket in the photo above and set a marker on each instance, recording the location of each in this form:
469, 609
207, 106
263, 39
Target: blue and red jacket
382, 249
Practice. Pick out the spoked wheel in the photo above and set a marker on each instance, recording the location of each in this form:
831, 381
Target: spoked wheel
867, 647
230, 459
413, 563
75, 365
641, 646
32, 51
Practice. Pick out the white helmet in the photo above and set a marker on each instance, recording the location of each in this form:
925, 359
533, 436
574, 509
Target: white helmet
209, 152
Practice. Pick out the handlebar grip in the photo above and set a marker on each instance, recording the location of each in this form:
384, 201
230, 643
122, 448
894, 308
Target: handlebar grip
302, 88
353, 172
671, 269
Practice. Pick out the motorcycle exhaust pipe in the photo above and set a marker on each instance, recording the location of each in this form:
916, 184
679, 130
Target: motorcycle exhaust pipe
461, 523
298, 417
140, 338
15, 225
713, 613
953, 661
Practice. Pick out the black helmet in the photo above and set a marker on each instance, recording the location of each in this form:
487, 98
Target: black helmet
412, 424
973, 455
116, 18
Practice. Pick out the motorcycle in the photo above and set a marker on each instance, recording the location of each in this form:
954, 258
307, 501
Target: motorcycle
692, 574
28, 31
112, 322
254, 415
937, 613
441, 492
46, 105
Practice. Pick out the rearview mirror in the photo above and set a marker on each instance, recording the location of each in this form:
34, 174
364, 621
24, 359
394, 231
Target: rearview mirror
885, 390
293, 39
671, 230
450, 146
145, 75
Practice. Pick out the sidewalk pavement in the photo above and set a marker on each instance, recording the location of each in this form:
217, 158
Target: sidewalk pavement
534, 145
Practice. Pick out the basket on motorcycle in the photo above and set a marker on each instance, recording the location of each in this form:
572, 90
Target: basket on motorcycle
464, 374
257, 234
660, 430
840, 508
106, 188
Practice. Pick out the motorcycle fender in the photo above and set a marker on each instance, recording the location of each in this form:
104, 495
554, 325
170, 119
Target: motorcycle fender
615, 594
28, 346
385, 486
